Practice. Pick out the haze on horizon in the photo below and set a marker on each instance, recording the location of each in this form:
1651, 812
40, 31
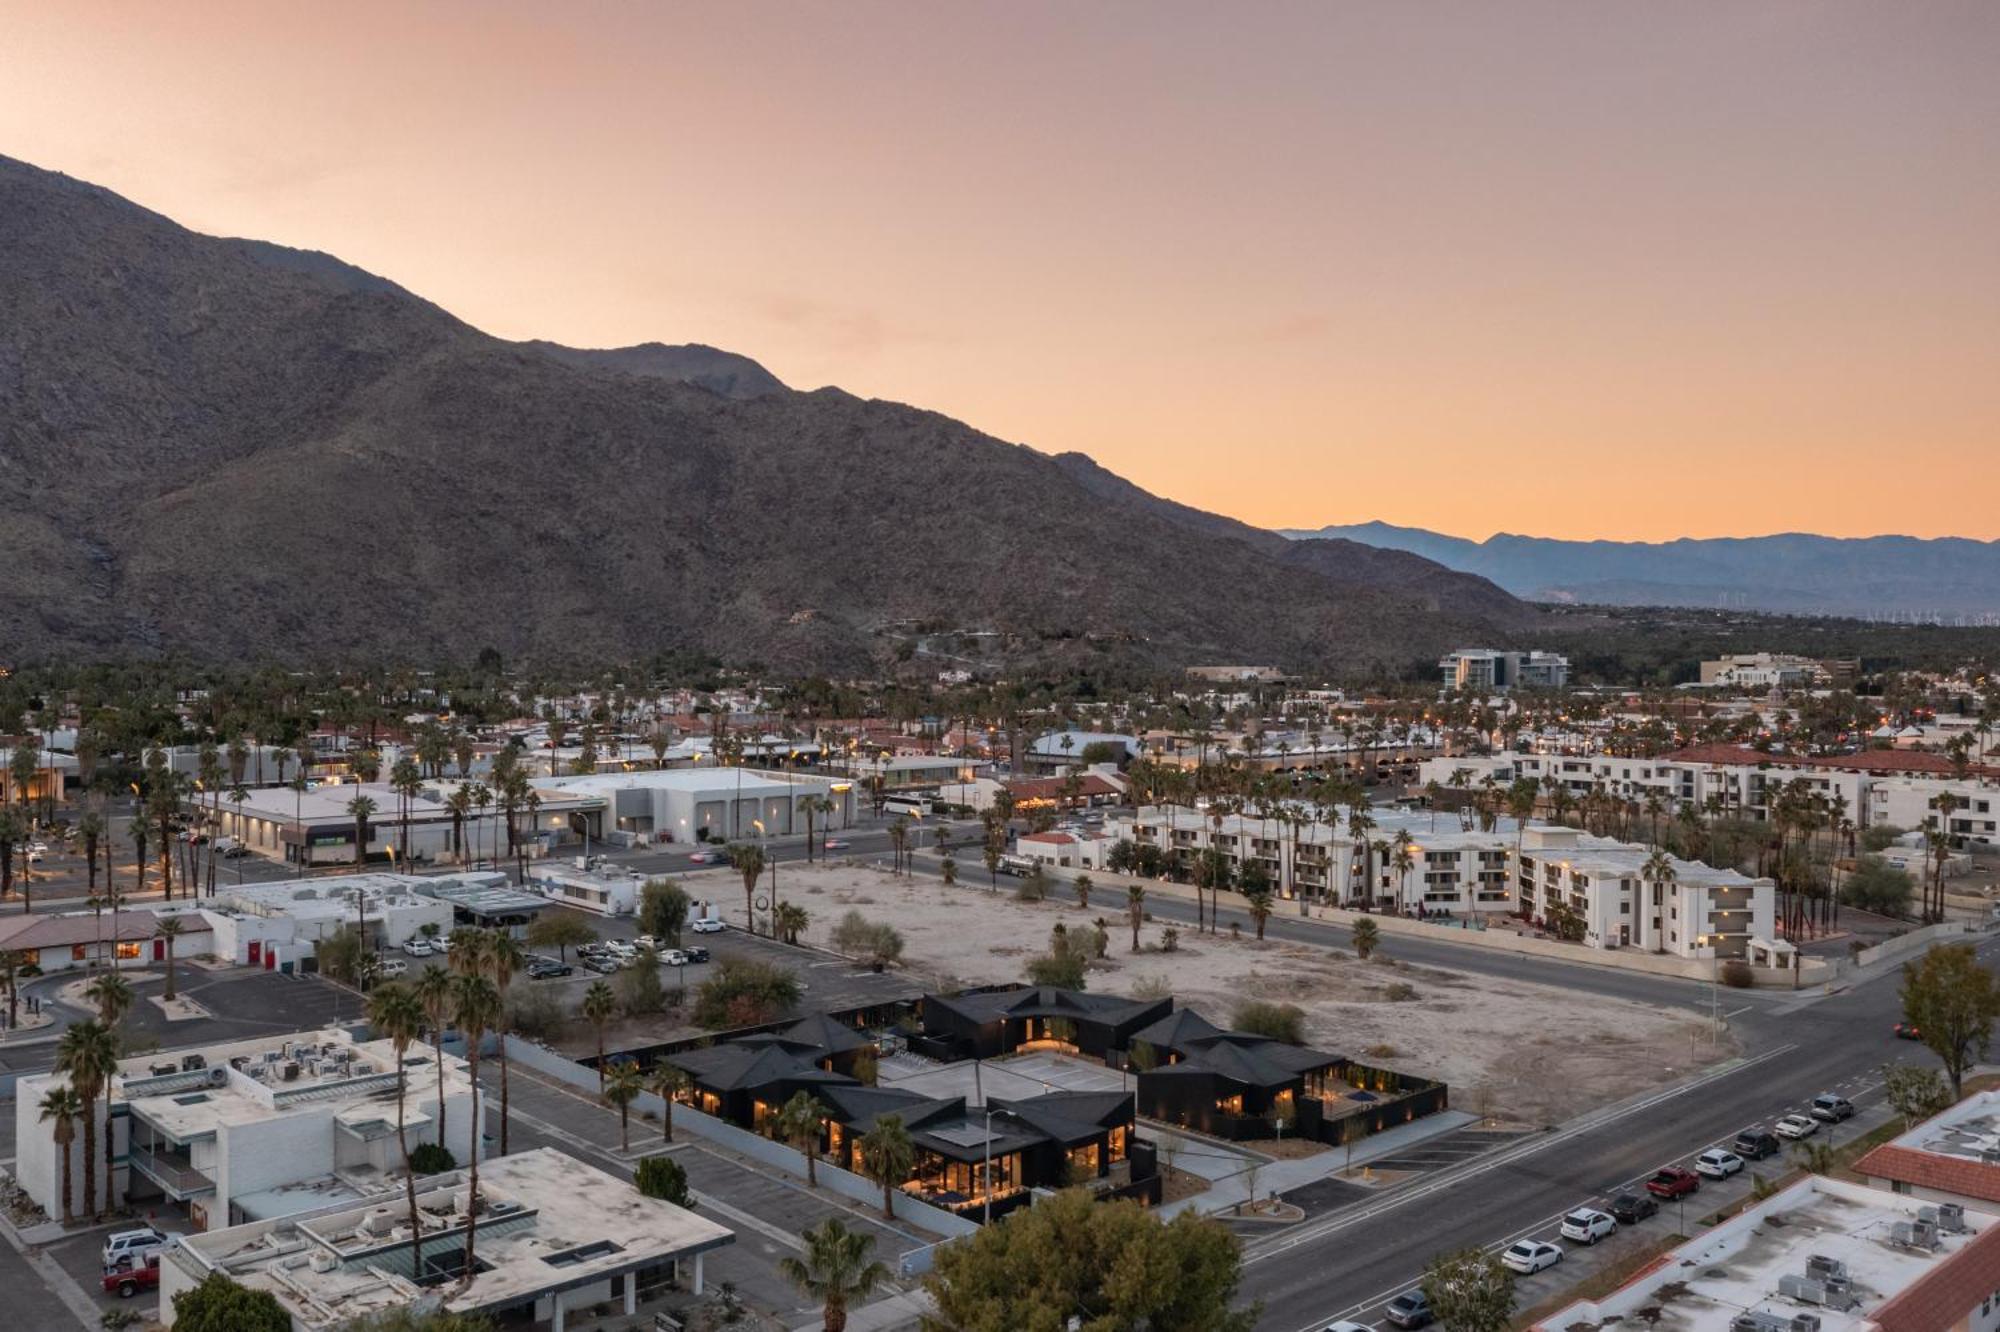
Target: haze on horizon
1565, 269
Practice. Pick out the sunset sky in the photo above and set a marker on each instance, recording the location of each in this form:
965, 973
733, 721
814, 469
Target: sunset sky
1583, 269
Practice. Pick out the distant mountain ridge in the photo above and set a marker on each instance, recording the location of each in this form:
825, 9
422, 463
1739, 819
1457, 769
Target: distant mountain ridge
1898, 577
237, 451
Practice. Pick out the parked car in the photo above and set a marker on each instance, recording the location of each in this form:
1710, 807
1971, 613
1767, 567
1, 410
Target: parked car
1632, 1208
648, 941
673, 957
835, 844
696, 953
418, 946
621, 950
704, 857
1717, 1164
707, 926
1754, 1144
391, 967
1531, 1256
127, 1282
601, 963
548, 968
131, 1248
1673, 1182
1410, 1309
1344, 1326
1830, 1109
231, 848
1796, 1127
1587, 1225
1908, 1031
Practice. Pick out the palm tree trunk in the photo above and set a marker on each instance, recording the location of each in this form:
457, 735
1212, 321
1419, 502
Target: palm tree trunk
409, 1176
502, 1048
472, 1193
109, 1183
437, 1048
69, 1212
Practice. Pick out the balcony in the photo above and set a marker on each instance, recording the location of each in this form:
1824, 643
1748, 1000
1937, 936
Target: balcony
171, 1170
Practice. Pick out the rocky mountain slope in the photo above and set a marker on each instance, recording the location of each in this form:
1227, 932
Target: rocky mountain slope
234, 450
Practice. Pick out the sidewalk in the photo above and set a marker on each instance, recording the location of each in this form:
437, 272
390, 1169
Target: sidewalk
1284, 1176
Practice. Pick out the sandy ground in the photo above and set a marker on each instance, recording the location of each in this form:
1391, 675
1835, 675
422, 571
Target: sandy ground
1532, 1053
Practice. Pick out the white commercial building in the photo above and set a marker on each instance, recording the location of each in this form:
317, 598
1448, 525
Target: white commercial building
555, 1237
318, 827
252, 1129
721, 804
1492, 671
278, 925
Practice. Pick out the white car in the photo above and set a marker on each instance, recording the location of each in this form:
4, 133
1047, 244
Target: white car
440, 945
1587, 1225
418, 946
706, 927
1531, 1256
1717, 1164
1796, 1126
391, 967
129, 1248
1345, 1326
673, 957
648, 941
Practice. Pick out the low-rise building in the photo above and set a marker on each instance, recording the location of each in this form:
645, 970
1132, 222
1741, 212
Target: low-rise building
704, 801
1950, 1158
1824, 1255
74, 940
1691, 910
554, 1237
254, 1129
1490, 670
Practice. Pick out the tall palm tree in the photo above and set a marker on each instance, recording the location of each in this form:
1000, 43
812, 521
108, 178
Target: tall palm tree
598, 1006
407, 783
91, 827
1135, 905
836, 1270
169, 928
112, 994
667, 1083
397, 1016
888, 1153
87, 1055
502, 957
476, 1005
361, 809
67, 1110
433, 991
748, 858
1656, 873
621, 1089
798, 1123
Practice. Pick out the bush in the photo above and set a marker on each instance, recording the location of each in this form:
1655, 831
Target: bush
1737, 975
662, 1177
1380, 1050
1367, 936
536, 1014
1878, 886
221, 1305
1170, 940
1281, 1022
638, 988
1880, 837
428, 1158
1034, 886
744, 994
663, 909
1399, 992
877, 943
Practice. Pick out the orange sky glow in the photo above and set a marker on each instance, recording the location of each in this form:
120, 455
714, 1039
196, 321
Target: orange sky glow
1568, 269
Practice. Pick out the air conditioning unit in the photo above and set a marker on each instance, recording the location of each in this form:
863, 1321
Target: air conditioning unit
1826, 1294
1758, 1321
324, 1260
292, 1072
1951, 1219
1914, 1235
1819, 1267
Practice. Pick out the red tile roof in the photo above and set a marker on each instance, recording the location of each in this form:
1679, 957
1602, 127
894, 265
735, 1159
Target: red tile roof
1050, 838
1718, 754
1868, 760
1928, 1170
1949, 1291
1051, 788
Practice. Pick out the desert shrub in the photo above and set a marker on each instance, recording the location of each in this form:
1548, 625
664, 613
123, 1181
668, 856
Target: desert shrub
1736, 974
638, 988
1399, 992
875, 942
428, 1158
662, 1177
744, 993
1280, 1022
536, 1014
1380, 1050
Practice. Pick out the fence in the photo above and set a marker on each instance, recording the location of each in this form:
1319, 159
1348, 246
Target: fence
745, 1143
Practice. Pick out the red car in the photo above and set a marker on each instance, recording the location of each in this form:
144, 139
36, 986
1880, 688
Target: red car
1908, 1031
1673, 1182
129, 1281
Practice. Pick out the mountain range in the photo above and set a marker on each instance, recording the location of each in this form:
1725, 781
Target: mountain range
1947, 579
237, 451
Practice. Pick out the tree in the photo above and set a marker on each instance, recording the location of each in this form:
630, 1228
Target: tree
500, 958
1083, 891
561, 931
662, 1177
361, 809
621, 1089
1260, 904
1877, 886
433, 991
1469, 1291
748, 859
87, 1055
1112, 1265
798, 1123
668, 1083
1135, 908
663, 909
1280, 1022
113, 996
789, 920
1816, 1158
887, 1155
836, 1269
13, 833
1952, 1000
599, 1004
744, 993
66, 1110
476, 1007
1914, 1093
1064, 965
221, 1305
168, 929
397, 1016
1367, 937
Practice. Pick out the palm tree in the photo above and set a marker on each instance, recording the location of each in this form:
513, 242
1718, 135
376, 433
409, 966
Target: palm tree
887, 1154
459, 802
397, 1016
667, 1082
1403, 861
88, 1056
502, 956
169, 929
476, 1005
789, 921
91, 827
113, 996
598, 1006
66, 1108
1656, 873
433, 991
1083, 886
1259, 903
798, 1123
621, 1089
1135, 904
748, 858
407, 783
836, 1270
361, 809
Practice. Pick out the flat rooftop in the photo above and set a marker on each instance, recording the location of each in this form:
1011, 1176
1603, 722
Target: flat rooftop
190, 1094
702, 779
548, 1222
1956, 1153
1738, 1267
1016, 1078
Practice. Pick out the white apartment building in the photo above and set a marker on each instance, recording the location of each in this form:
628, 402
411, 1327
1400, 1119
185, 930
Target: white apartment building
1493, 671
255, 1129
1701, 912
1910, 802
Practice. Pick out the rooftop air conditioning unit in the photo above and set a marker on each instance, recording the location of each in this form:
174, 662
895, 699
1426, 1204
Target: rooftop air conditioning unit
291, 1072
1827, 1294
1914, 1235
1819, 1267
363, 1069
1950, 1219
378, 1223
1758, 1321
324, 1260
162, 1070
189, 1063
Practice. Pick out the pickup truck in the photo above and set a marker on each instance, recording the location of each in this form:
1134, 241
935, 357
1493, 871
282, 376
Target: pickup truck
1673, 1182
128, 1282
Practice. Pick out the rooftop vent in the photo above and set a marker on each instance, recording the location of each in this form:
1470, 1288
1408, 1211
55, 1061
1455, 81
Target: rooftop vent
1914, 1235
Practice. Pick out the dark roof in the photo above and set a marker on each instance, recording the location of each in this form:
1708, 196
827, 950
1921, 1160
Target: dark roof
1071, 1117
829, 1034
1041, 1001
964, 1138
858, 1107
1176, 1030
1245, 1064
1297, 1058
750, 1063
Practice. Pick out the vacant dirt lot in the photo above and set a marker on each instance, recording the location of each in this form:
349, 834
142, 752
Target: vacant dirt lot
1539, 1054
